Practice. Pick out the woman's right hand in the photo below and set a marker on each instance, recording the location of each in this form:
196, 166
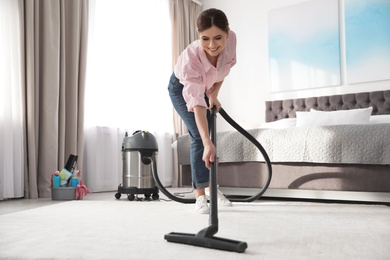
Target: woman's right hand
209, 150
209, 153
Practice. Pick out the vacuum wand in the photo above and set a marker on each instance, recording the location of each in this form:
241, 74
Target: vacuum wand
205, 237
213, 174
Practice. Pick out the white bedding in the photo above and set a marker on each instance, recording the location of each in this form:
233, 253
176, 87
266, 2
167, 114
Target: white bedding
292, 122
342, 144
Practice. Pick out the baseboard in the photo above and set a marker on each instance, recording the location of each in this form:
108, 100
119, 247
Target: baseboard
382, 197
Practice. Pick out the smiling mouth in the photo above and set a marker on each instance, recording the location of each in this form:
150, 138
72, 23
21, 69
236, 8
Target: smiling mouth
213, 50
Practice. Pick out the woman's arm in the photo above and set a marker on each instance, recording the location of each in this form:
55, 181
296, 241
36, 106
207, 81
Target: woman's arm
209, 152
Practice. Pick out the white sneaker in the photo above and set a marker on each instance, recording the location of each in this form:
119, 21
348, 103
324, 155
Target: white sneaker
222, 200
201, 205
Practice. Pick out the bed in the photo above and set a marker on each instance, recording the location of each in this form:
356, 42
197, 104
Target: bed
330, 147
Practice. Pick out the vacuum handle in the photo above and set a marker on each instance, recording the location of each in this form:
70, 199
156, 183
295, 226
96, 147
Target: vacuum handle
213, 174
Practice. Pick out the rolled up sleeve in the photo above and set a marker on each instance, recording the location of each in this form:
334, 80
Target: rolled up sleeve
191, 74
193, 94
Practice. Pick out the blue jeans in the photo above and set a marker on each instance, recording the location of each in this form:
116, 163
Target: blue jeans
199, 173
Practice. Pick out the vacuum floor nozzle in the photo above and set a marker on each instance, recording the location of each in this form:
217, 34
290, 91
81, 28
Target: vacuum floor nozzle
208, 242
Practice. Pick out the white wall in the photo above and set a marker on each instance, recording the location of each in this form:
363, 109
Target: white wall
246, 89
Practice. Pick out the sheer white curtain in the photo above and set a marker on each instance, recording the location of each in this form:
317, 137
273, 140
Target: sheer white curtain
11, 108
128, 69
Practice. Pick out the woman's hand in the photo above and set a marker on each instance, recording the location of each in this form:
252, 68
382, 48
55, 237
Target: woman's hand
209, 153
214, 102
213, 96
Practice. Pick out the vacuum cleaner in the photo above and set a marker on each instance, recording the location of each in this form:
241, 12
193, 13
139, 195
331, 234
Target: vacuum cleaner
137, 151
205, 237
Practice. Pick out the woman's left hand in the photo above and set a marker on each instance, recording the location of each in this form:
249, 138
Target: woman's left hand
214, 102
213, 96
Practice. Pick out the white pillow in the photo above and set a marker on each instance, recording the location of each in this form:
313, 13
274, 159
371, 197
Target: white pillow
380, 119
340, 117
280, 124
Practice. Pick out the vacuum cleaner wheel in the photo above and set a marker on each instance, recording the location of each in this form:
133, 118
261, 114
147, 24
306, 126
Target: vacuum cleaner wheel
132, 191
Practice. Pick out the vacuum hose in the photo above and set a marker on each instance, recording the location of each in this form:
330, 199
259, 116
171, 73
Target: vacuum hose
246, 135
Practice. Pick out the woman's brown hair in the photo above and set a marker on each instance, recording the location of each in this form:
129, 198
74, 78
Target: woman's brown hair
211, 17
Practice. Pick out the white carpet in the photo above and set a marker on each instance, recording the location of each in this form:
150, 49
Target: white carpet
121, 229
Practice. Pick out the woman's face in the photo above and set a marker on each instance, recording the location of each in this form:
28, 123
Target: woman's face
213, 40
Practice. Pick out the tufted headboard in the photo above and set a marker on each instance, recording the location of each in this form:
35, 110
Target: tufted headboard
279, 109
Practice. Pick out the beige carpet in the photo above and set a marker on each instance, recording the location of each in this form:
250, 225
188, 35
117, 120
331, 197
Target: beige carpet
120, 229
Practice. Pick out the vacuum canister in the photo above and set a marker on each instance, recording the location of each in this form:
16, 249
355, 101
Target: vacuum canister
136, 152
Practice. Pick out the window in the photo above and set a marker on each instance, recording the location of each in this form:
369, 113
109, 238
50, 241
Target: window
11, 109
129, 65
128, 70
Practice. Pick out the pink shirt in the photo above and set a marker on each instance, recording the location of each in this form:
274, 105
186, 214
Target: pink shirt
198, 75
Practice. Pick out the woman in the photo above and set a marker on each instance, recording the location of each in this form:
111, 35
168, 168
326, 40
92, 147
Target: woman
194, 87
